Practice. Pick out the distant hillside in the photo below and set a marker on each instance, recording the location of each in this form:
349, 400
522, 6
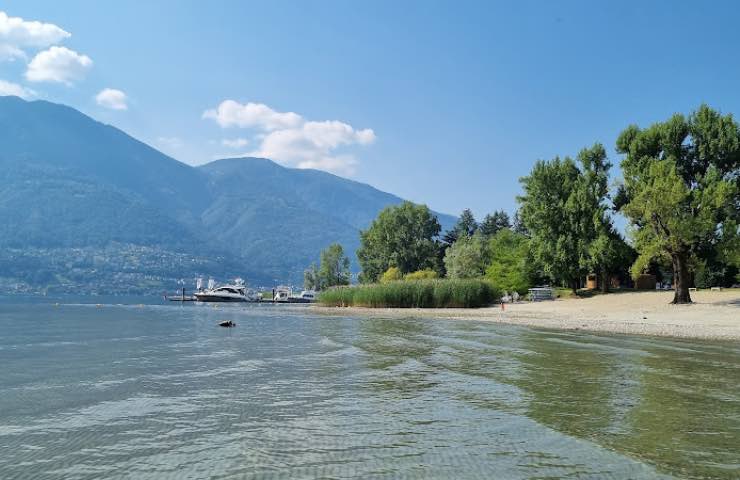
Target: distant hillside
281, 218
80, 196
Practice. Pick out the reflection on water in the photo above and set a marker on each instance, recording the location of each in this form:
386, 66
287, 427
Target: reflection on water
161, 392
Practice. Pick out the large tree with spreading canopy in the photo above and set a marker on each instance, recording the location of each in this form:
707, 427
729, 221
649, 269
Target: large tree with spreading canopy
402, 236
680, 190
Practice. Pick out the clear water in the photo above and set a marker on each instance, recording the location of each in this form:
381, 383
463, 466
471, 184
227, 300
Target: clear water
162, 392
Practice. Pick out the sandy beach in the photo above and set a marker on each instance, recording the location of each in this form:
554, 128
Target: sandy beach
713, 315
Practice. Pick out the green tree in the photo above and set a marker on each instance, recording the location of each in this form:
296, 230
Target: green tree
465, 226
518, 226
467, 258
510, 267
564, 210
606, 249
402, 236
334, 267
681, 183
311, 277
550, 212
492, 223
609, 254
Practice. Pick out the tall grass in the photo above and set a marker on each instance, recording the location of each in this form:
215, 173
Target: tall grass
447, 293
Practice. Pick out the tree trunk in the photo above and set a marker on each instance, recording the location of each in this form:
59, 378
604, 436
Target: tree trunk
574, 286
681, 278
604, 281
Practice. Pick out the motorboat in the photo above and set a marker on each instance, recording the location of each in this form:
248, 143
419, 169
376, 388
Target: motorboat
284, 294
236, 292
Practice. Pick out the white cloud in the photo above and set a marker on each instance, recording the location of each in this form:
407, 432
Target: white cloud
234, 143
58, 64
313, 145
293, 141
251, 115
112, 98
9, 88
10, 53
17, 34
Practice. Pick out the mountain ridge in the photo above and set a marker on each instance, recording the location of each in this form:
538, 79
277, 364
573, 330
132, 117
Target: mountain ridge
70, 183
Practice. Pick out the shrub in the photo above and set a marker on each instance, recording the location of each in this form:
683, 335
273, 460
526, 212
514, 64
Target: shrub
421, 275
426, 293
391, 275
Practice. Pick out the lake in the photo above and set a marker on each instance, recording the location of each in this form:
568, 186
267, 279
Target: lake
160, 391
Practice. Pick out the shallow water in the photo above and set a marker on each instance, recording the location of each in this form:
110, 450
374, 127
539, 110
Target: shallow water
162, 392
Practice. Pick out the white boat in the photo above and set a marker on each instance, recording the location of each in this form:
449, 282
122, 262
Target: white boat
237, 292
284, 294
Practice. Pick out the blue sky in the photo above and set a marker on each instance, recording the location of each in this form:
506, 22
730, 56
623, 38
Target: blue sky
445, 103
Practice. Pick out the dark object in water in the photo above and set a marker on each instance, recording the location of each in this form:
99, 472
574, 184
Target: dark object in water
227, 324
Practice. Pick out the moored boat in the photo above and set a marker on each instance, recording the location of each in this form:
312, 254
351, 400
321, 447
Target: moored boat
236, 292
283, 294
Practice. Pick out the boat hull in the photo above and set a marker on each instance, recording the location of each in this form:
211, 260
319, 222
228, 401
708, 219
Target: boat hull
294, 300
217, 298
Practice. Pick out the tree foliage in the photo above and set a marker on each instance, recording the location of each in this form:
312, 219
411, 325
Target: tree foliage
550, 214
426, 274
518, 226
402, 236
311, 277
607, 251
467, 258
564, 210
393, 274
332, 271
510, 268
680, 191
494, 222
466, 226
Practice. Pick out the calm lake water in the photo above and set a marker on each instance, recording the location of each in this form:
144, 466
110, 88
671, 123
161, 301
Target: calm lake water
162, 392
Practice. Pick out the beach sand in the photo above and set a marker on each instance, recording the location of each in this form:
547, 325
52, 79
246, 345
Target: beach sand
713, 315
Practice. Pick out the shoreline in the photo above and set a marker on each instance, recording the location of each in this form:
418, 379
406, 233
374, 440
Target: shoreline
712, 316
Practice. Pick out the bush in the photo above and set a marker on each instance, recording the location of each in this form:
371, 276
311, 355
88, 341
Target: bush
427, 293
391, 275
421, 275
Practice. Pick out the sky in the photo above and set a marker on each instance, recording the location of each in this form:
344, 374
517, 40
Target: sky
442, 103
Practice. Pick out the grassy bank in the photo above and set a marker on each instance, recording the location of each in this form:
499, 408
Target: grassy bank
413, 294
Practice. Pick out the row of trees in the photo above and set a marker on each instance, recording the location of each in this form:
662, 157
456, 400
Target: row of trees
405, 242
680, 193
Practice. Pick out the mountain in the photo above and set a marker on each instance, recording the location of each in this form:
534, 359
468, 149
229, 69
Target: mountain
86, 207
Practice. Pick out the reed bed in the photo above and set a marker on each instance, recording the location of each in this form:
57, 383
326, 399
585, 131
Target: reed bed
428, 293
